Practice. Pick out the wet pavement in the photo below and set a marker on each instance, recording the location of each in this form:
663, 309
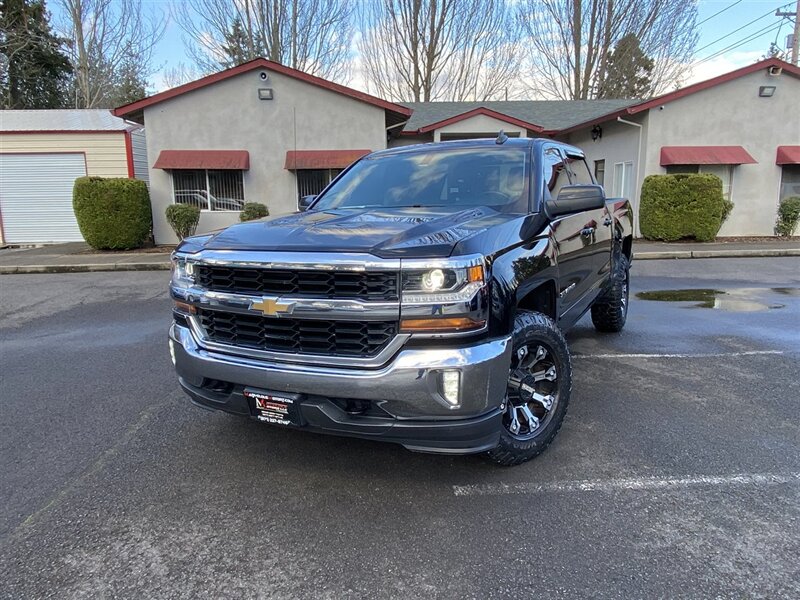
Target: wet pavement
734, 299
676, 474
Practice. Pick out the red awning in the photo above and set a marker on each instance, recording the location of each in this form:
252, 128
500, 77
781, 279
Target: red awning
203, 159
297, 160
788, 155
705, 155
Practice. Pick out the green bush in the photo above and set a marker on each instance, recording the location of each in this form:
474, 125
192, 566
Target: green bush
252, 211
112, 214
788, 216
183, 218
681, 206
726, 211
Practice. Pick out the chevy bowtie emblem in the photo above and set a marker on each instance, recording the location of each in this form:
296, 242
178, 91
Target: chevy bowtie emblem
272, 307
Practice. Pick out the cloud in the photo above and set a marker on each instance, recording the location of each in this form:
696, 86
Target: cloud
723, 64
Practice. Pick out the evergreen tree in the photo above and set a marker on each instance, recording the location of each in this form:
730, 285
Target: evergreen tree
238, 47
129, 84
33, 71
628, 71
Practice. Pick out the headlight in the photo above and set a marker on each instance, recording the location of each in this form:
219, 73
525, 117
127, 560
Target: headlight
443, 296
441, 284
182, 271
433, 280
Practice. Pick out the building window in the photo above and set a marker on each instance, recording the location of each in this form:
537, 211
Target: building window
724, 172
600, 172
311, 182
623, 180
209, 190
790, 181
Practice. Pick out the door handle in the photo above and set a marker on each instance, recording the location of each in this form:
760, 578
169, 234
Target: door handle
608, 222
587, 231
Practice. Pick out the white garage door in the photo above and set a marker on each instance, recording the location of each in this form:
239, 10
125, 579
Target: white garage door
36, 197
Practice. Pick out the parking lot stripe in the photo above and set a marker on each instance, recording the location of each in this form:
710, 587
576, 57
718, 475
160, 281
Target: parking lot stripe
709, 355
634, 483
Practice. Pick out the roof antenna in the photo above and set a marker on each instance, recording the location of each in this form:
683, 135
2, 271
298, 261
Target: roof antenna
502, 138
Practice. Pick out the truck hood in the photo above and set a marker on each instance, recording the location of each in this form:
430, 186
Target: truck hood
399, 232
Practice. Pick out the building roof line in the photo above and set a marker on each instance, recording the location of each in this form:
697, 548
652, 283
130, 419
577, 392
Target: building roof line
686, 91
480, 110
260, 63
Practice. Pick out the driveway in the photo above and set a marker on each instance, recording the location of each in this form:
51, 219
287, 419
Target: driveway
676, 474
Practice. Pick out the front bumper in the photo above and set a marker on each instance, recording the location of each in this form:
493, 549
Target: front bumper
406, 392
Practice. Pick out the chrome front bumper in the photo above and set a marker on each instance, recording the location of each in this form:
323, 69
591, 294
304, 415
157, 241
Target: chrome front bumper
406, 387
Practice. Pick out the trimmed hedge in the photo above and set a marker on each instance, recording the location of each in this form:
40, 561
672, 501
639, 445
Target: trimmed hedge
788, 216
252, 211
183, 218
112, 214
685, 205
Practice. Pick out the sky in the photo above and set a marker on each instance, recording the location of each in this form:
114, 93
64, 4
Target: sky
717, 18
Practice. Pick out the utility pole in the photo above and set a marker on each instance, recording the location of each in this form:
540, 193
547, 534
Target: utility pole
796, 37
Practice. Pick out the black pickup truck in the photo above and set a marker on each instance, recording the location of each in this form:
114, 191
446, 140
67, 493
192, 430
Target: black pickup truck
419, 299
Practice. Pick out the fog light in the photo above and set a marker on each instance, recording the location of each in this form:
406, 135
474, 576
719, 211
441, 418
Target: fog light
451, 386
172, 352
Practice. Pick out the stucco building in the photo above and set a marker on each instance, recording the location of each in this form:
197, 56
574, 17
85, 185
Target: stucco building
262, 132
259, 132
742, 126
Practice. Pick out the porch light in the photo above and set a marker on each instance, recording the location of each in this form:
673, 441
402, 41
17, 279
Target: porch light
597, 133
766, 91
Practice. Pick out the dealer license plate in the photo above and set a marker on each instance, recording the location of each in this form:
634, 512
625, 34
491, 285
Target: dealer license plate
269, 408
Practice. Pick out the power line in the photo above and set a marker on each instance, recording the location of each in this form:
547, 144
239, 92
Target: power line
777, 35
741, 42
730, 6
768, 29
727, 35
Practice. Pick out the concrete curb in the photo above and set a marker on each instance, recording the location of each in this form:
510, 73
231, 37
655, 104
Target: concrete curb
743, 253
84, 268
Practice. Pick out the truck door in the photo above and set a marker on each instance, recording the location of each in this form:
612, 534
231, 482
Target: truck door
601, 237
574, 241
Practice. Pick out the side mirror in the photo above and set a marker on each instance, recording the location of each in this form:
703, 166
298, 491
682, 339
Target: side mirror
576, 198
304, 202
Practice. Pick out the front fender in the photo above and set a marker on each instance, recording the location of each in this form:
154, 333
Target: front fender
515, 274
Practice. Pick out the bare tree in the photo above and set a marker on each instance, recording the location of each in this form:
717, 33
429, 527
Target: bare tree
111, 49
570, 41
423, 50
180, 74
310, 35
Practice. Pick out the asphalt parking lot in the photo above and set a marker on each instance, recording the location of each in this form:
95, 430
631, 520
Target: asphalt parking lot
676, 474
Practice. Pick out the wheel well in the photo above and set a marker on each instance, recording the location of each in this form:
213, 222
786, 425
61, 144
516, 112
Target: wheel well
541, 299
627, 247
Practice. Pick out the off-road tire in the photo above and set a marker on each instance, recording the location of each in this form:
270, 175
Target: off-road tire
610, 311
530, 328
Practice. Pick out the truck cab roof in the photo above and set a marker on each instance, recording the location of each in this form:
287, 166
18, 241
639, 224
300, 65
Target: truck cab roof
511, 142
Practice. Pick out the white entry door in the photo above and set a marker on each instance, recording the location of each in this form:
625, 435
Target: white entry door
36, 197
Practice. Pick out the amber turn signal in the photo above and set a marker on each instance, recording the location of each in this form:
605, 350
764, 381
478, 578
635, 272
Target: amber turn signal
475, 273
185, 307
440, 325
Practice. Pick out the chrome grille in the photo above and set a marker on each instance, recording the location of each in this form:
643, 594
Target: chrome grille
304, 336
364, 285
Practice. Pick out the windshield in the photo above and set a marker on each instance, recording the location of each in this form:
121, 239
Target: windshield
456, 178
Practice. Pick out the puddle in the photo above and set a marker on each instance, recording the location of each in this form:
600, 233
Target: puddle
734, 300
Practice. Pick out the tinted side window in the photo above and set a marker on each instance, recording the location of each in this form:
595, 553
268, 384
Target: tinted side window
579, 171
555, 171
